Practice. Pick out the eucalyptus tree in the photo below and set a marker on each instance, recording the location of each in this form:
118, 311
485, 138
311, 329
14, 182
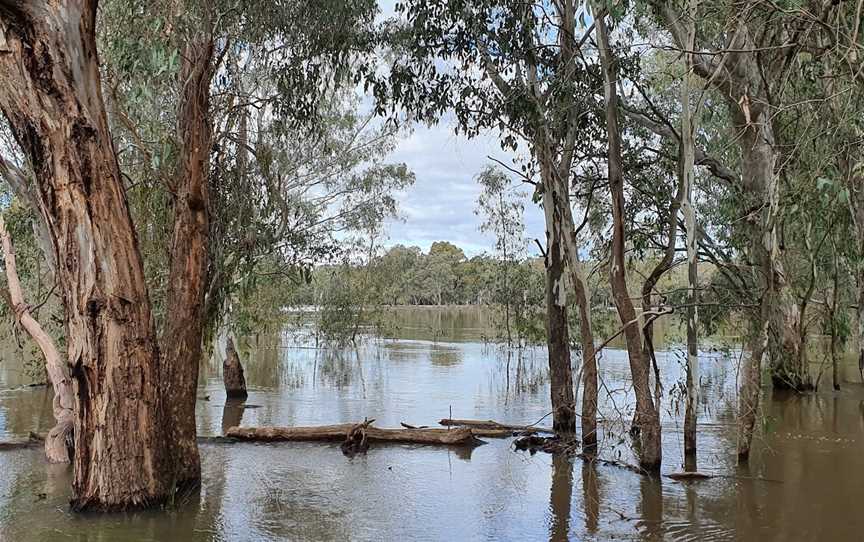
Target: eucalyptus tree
503, 212
647, 416
769, 66
514, 67
52, 97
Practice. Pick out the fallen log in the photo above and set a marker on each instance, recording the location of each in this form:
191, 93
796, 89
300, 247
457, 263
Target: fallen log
490, 424
19, 444
479, 432
340, 432
689, 476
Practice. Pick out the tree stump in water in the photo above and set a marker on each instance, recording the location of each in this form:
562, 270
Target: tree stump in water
232, 373
357, 441
550, 445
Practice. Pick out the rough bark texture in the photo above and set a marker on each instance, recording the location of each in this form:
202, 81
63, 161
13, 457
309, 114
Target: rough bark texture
340, 432
187, 280
557, 335
647, 418
58, 443
232, 373
50, 93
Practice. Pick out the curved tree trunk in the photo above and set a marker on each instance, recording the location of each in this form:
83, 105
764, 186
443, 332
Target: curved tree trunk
50, 93
232, 373
647, 418
182, 338
58, 443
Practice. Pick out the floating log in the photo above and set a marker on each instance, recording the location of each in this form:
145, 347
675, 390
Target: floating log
477, 432
340, 432
689, 476
490, 424
32, 441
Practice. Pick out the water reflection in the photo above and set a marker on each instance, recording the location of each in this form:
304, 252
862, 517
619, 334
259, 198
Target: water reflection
559, 499
805, 481
232, 413
590, 496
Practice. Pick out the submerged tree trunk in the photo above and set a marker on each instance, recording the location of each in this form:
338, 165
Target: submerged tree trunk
835, 337
232, 373
749, 390
589, 361
50, 93
647, 418
589, 352
182, 339
557, 335
860, 314
687, 177
58, 443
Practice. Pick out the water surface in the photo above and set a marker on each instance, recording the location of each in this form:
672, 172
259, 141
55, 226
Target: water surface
805, 482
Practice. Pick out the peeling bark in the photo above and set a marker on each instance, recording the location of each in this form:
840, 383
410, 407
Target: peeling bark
647, 418
742, 77
687, 178
182, 338
557, 334
51, 96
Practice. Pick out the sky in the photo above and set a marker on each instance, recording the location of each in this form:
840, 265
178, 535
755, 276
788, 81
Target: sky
440, 206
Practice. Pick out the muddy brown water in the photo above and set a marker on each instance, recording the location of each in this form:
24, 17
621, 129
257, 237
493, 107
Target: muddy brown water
805, 482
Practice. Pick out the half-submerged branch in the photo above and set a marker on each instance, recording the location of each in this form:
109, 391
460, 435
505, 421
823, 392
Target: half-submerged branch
59, 439
493, 425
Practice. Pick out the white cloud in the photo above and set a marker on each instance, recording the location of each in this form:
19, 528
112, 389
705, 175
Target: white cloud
440, 205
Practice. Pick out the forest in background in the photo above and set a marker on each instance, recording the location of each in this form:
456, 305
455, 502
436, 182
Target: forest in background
177, 169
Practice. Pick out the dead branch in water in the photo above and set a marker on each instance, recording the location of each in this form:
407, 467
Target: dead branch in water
461, 436
493, 425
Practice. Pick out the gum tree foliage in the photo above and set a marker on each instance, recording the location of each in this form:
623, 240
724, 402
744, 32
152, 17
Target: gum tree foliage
502, 209
294, 160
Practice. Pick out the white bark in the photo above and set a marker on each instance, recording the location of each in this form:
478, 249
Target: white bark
687, 168
55, 444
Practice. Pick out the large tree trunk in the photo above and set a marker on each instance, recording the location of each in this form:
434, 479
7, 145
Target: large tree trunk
647, 418
557, 335
763, 184
58, 443
182, 338
50, 94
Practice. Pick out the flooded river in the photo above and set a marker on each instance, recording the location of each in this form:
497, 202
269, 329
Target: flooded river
805, 482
